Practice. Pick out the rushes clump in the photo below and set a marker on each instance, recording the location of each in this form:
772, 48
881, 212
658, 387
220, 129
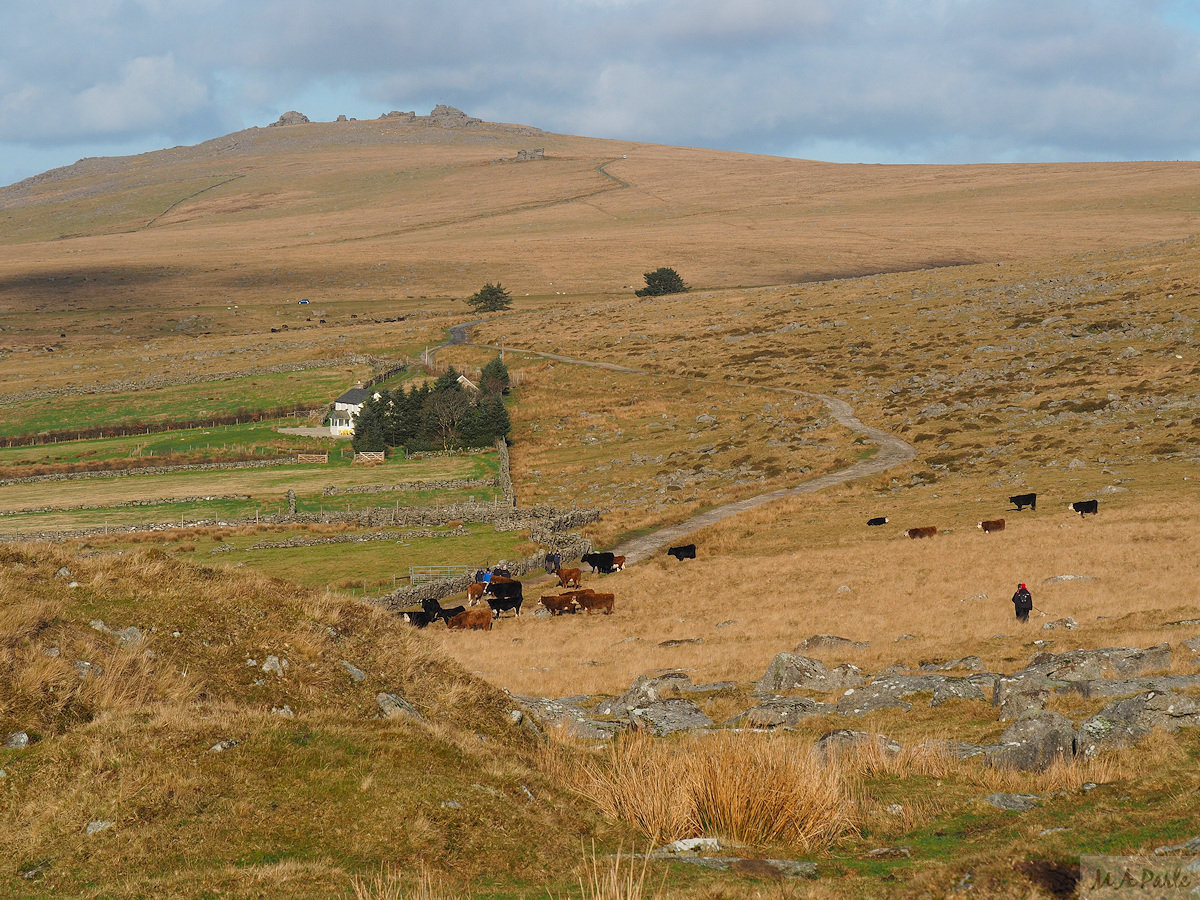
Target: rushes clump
752, 789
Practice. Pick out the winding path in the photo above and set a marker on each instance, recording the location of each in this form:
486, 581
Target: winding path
893, 451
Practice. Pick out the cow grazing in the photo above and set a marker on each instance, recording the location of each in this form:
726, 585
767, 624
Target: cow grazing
990, 525
505, 595
600, 562
1083, 507
599, 602
475, 593
567, 577
435, 609
557, 605
472, 618
418, 618
926, 531
1023, 500
682, 552
878, 520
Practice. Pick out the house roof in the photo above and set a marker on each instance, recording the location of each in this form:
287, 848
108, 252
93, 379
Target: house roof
354, 396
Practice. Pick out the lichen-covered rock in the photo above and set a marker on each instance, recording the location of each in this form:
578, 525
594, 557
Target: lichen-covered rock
668, 716
644, 691
789, 671
780, 711
393, 705
1034, 741
829, 642
1125, 721
834, 742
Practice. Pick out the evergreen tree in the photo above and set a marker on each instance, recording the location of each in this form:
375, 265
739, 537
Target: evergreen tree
490, 298
662, 280
369, 427
494, 378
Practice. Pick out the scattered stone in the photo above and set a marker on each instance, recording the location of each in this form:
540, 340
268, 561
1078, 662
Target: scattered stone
83, 669
1192, 846
788, 671
688, 847
979, 596
970, 663
890, 853
97, 826
780, 712
727, 623
393, 705
895, 809
888, 692
1192, 645
1185, 622
356, 674
1107, 662
905, 637
1068, 623
668, 716
275, 664
1058, 579
1125, 721
285, 711
64, 572
222, 746
680, 642
52, 653
1013, 802
1034, 741
829, 642
834, 742
18, 740
1127, 687
451, 804
645, 690
566, 714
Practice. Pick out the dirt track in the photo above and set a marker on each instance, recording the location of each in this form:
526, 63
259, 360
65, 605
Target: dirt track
892, 452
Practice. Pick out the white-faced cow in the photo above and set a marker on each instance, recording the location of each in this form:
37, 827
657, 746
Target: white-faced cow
1083, 507
990, 525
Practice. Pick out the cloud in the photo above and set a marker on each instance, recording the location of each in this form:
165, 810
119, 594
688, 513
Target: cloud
983, 80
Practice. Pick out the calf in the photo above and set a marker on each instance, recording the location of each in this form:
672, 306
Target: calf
418, 618
878, 520
505, 595
600, 602
1023, 500
1083, 507
619, 563
923, 532
475, 593
433, 608
558, 605
682, 552
566, 577
990, 525
472, 618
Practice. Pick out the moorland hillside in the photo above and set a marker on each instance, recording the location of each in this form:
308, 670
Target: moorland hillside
1024, 328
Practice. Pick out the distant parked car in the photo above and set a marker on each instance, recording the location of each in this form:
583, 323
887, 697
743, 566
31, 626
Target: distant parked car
305, 300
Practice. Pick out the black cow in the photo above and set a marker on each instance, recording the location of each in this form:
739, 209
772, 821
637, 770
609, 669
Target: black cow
435, 609
682, 552
1084, 506
505, 595
878, 520
600, 562
418, 618
1022, 500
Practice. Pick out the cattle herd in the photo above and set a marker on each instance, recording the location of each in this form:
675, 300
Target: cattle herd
988, 526
502, 592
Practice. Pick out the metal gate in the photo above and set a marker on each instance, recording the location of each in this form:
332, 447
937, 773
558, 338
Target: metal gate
426, 574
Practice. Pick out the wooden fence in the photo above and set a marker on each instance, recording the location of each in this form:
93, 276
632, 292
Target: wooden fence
312, 457
370, 457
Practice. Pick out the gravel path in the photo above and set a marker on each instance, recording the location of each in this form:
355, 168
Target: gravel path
892, 451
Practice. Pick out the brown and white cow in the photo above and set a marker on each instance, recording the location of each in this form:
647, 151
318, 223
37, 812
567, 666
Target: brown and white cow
475, 593
990, 525
925, 531
557, 605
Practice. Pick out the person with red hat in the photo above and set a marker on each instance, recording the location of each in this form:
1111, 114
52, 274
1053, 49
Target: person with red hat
1023, 601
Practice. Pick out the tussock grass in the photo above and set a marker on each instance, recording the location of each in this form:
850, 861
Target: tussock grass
747, 788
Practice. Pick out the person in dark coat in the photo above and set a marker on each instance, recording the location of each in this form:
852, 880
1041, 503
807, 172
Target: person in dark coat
1023, 601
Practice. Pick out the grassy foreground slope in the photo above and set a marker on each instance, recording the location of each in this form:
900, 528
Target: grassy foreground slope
313, 785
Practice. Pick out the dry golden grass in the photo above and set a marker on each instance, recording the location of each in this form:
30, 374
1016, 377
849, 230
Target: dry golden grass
751, 789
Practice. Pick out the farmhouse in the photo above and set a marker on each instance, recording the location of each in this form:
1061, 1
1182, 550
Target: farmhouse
345, 408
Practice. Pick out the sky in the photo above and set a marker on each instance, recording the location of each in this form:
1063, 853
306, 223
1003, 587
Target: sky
874, 81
